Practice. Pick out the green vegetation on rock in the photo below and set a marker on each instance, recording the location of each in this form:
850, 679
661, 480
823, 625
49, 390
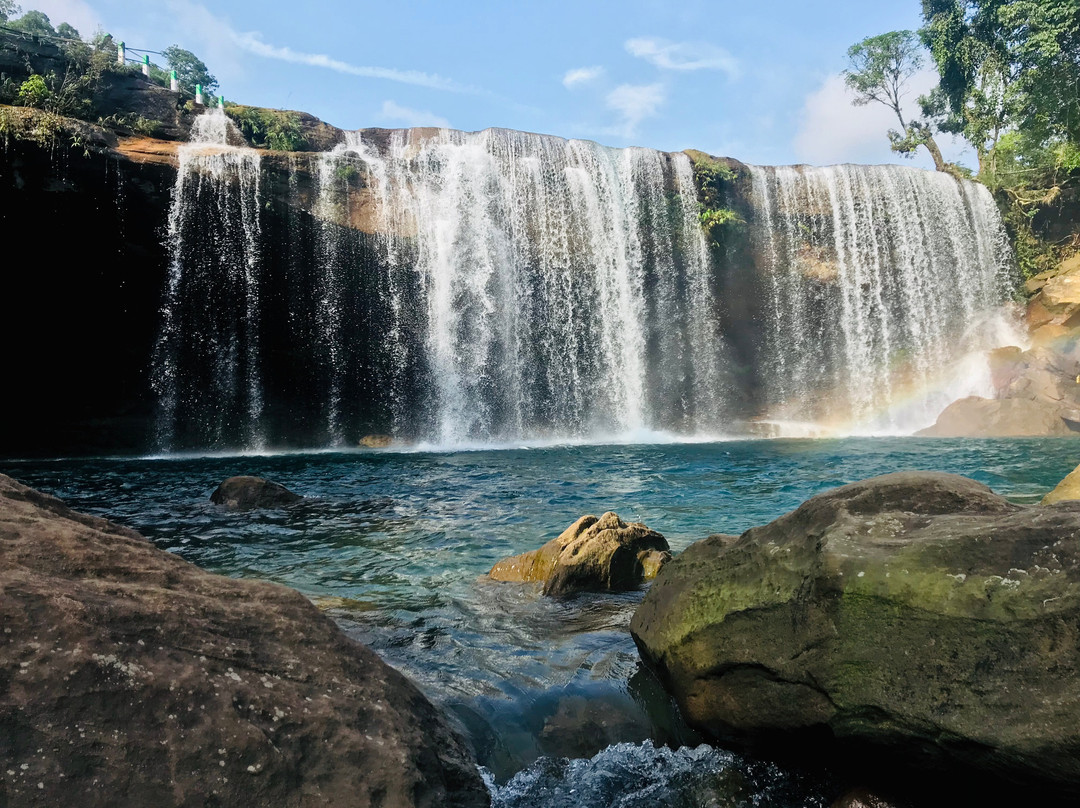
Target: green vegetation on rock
915, 612
713, 179
275, 129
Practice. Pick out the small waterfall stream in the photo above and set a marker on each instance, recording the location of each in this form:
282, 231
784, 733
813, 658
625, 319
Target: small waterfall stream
206, 368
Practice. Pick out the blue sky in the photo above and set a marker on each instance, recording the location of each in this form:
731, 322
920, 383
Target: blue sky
757, 81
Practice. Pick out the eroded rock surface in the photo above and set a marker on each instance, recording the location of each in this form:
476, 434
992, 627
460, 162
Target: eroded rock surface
918, 615
130, 677
605, 554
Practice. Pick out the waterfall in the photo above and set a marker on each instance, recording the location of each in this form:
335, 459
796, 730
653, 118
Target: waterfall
565, 286
880, 281
459, 288
206, 369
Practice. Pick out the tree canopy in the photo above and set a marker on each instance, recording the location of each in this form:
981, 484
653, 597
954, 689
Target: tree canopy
190, 69
1008, 63
879, 69
34, 22
1009, 83
8, 9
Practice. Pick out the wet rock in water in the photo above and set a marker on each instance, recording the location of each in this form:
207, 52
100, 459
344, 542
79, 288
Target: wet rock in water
131, 677
1035, 391
377, 441
1067, 489
916, 619
605, 554
245, 493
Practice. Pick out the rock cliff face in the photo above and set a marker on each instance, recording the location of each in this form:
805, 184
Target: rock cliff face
96, 289
128, 676
1036, 391
915, 618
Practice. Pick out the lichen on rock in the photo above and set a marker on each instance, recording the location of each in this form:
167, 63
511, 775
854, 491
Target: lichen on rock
917, 613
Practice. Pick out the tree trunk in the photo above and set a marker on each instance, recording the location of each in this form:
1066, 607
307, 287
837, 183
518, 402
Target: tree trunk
935, 152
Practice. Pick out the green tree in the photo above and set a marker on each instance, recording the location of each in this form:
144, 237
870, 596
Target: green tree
1010, 78
34, 22
68, 31
8, 9
190, 69
880, 69
1008, 63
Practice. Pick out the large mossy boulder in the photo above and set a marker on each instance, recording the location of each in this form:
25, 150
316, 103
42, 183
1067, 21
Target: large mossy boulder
915, 619
130, 677
592, 555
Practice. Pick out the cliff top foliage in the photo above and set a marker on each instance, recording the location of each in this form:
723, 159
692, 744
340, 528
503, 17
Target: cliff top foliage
268, 128
54, 69
1009, 84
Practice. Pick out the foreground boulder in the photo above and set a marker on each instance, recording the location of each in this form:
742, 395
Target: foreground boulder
244, 493
130, 677
597, 555
915, 614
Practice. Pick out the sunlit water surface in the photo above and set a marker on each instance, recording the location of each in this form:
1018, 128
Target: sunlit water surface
396, 544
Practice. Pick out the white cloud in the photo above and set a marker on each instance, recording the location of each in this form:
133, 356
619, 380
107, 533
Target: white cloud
393, 112
635, 103
833, 130
581, 75
74, 12
252, 43
668, 55
214, 29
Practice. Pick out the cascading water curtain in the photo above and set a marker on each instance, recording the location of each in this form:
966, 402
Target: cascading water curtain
566, 288
206, 369
879, 278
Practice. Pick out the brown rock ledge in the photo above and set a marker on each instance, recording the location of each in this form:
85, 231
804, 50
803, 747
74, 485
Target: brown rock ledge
129, 676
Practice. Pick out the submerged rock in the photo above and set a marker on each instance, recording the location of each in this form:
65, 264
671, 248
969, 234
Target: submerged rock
916, 618
1067, 489
132, 677
581, 727
860, 798
605, 554
244, 493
